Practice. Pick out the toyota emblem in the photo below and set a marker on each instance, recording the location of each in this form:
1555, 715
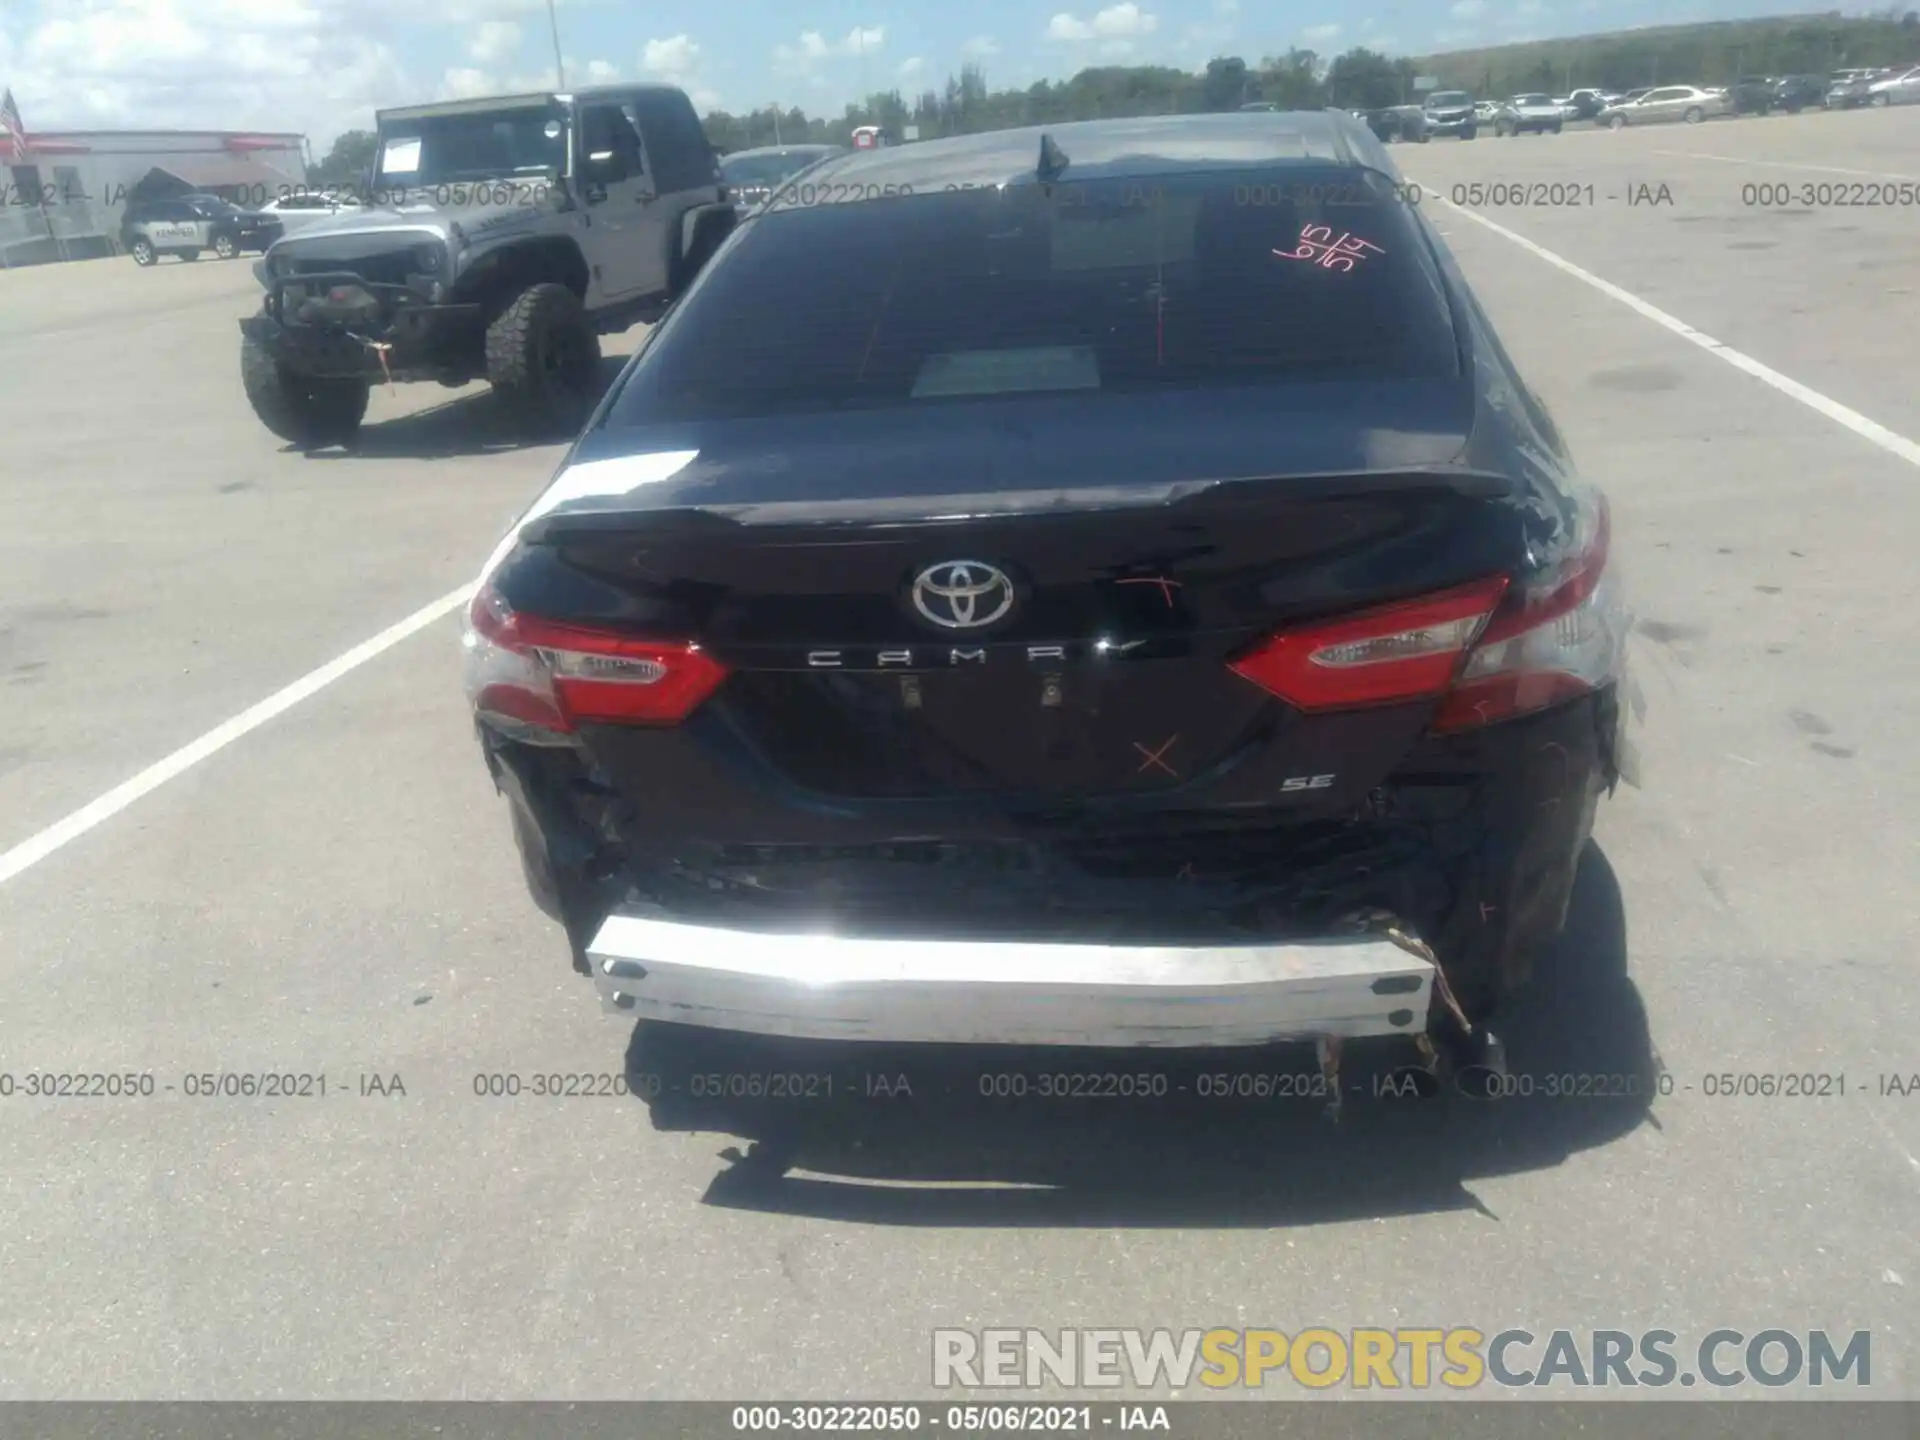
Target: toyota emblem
962, 594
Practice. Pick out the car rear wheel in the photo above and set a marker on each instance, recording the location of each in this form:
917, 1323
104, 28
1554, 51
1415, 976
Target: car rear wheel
1556, 129
1619, 122
143, 252
300, 409
1694, 115
225, 246
1468, 133
543, 357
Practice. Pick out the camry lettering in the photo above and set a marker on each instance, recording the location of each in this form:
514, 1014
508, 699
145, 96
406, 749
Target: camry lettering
949, 657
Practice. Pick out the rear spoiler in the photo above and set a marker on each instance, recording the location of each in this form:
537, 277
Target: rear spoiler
604, 513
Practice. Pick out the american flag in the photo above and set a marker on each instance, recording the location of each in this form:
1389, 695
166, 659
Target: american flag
10, 117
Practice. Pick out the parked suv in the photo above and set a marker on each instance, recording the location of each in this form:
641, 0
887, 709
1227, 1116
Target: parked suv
1753, 95
502, 237
1450, 112
1523, 113
1795, 93
187, 224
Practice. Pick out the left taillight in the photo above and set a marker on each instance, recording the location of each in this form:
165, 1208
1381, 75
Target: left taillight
541, 679
1485, 652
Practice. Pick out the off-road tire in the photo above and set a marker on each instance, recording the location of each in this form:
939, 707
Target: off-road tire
301, 409
225, 246
543, 358
143, 251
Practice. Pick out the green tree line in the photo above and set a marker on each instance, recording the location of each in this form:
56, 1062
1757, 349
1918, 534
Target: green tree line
1360, 79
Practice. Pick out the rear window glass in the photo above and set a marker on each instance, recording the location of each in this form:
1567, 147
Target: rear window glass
757, 170
1282, 276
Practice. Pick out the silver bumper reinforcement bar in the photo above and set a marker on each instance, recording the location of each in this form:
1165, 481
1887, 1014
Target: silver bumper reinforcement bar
829, 987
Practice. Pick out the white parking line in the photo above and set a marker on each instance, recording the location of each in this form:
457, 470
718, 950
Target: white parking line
62, 832
1892, 443
1788, 165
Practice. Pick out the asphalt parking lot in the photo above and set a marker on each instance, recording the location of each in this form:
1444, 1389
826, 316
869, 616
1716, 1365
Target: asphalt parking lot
334, 891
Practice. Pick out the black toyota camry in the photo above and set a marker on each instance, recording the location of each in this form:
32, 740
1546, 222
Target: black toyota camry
1123, 595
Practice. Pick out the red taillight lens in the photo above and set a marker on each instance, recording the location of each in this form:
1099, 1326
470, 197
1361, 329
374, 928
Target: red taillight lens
1487, 653
1409, 651
551, 677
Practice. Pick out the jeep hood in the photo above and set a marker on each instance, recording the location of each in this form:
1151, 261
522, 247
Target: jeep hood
408, 221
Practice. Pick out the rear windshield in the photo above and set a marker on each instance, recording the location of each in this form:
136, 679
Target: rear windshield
1248, 277
767, 170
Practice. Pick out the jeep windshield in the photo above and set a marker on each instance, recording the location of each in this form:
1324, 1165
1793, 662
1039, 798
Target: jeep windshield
461, 148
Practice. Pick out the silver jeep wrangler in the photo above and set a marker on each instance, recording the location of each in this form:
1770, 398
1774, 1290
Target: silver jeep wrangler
499, 238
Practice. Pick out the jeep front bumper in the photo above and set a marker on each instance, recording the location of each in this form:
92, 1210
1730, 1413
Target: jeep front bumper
418, 339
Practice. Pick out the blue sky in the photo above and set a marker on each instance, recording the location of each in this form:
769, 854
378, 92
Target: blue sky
320, 66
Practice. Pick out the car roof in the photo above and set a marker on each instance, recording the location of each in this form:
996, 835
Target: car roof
1120, 149
524, 100
805, 149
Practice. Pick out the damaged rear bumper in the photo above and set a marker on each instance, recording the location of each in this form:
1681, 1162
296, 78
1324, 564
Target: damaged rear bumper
911, 991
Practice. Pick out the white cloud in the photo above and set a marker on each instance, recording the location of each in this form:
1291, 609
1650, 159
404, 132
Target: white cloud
814, 48
1531, 7
467, 84
675, 58
493, 41
1126, 21
1320, 34
980, 47
1226, 7
911, 67
602, 72
680, 61
317, 66
1468, 9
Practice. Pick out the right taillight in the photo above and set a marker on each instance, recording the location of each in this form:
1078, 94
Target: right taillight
1561, 636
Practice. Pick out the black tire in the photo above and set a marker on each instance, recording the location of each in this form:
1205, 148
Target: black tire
1425, 136
1468, 133
301, 409
1694, 115
143, 251
543, 358
193, 254
1502, 130
1556, 129
225, 246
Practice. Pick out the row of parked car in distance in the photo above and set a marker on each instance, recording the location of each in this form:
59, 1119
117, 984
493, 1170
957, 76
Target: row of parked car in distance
1457, 113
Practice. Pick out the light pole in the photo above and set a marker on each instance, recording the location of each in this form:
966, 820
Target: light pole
559, 66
